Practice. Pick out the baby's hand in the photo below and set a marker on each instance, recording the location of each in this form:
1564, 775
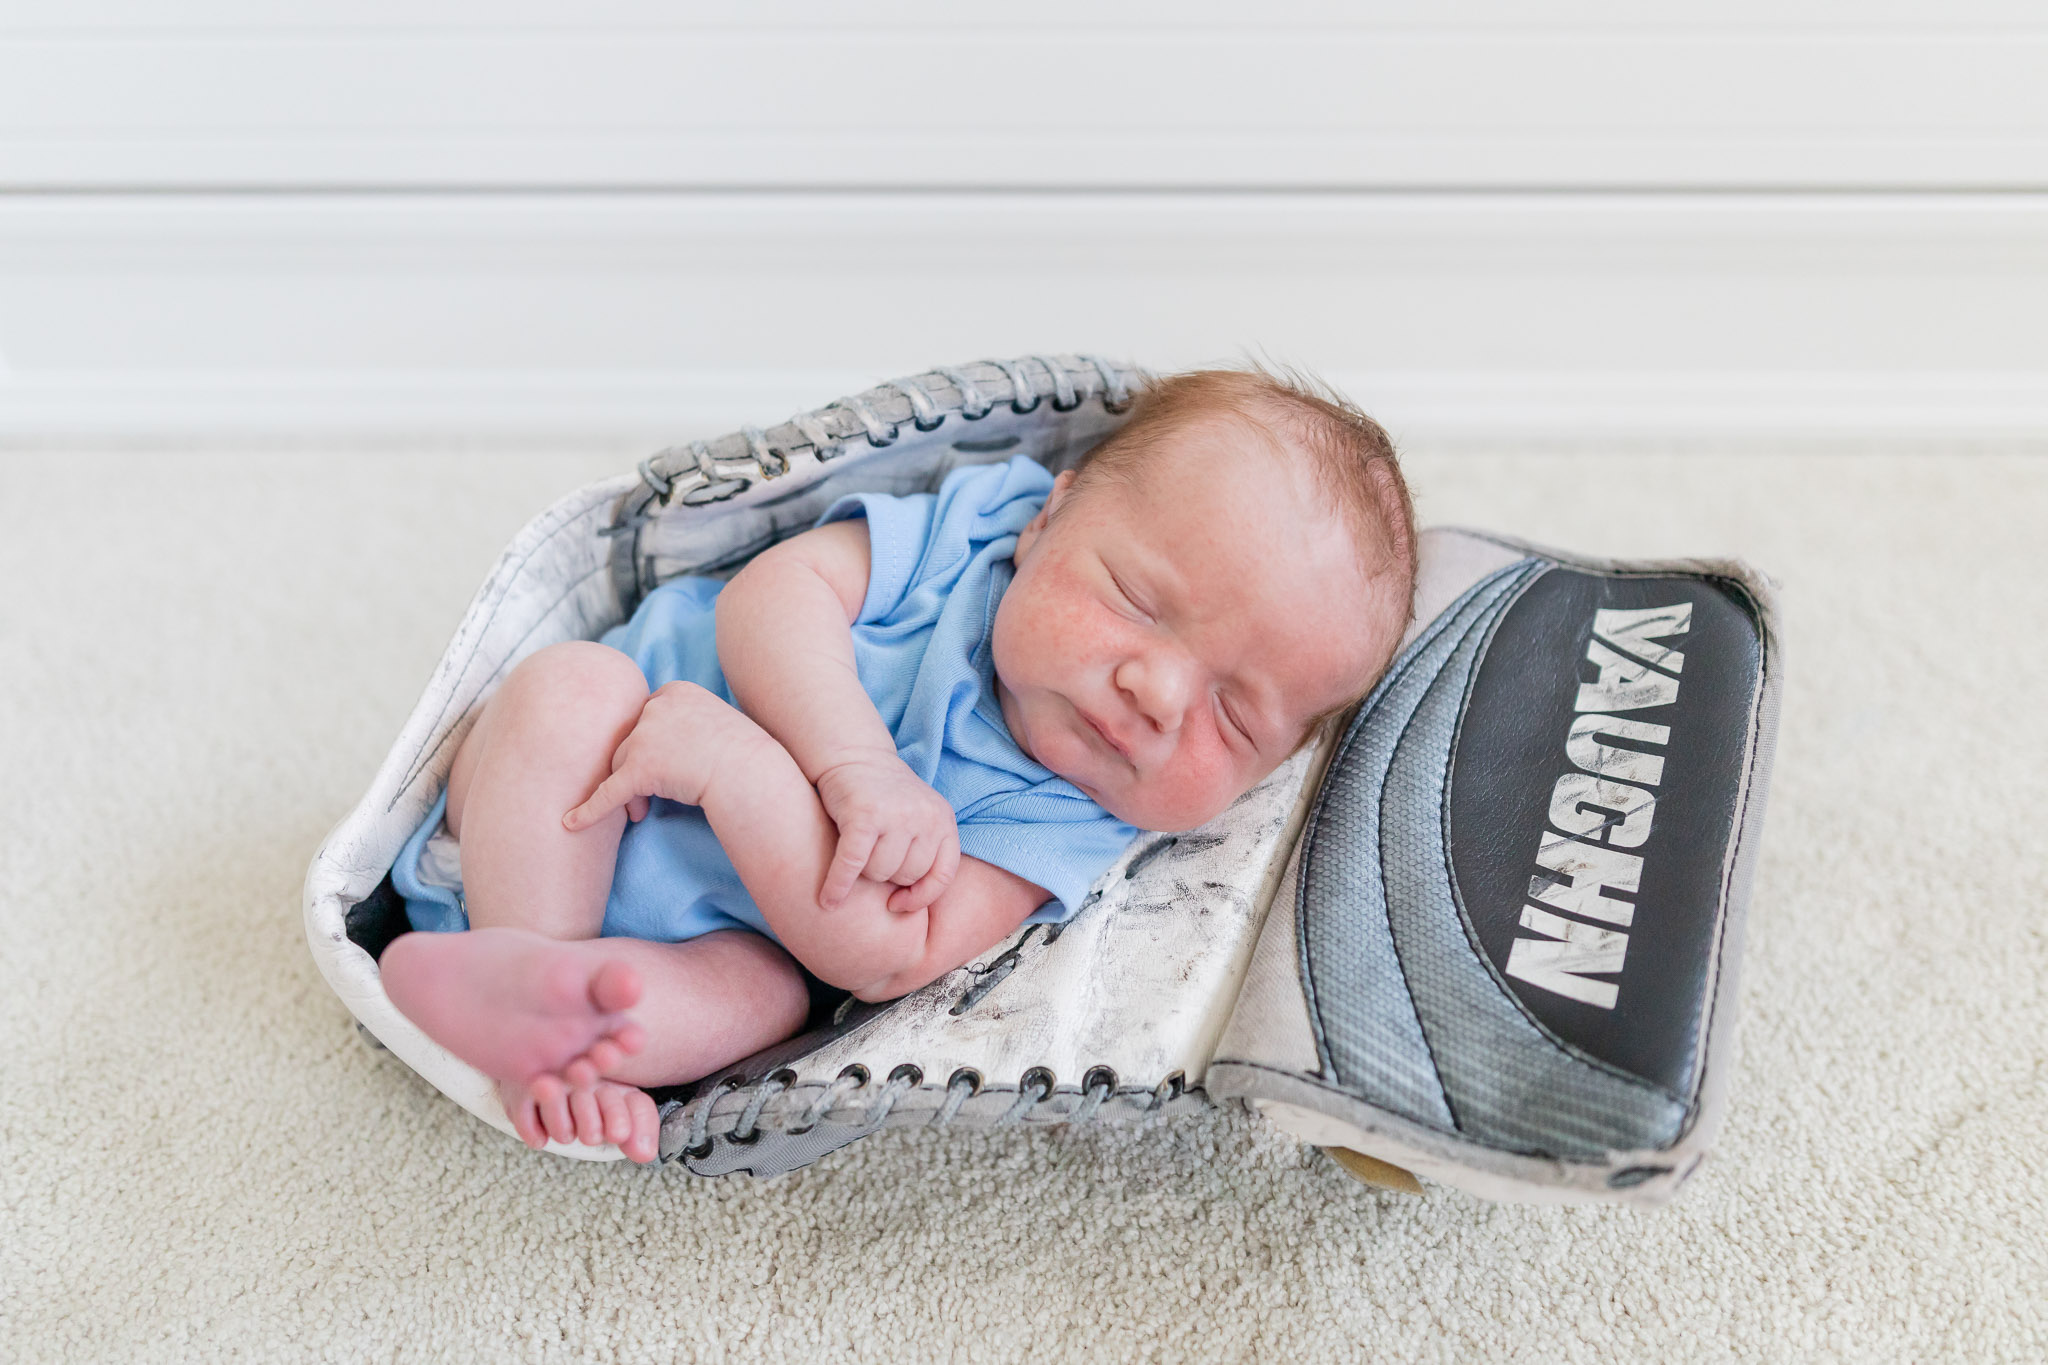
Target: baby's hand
892, 828
684, 737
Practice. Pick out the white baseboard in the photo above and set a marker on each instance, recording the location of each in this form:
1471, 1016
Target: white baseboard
650, 318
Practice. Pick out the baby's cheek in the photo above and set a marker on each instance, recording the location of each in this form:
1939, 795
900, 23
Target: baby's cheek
1054, 637
1223, 781
1065, 602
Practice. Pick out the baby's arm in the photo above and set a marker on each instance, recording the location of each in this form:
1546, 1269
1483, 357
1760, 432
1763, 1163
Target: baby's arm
772, 825
785, 643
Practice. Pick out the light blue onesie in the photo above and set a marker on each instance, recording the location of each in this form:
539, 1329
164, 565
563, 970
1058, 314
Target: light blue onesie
940, 563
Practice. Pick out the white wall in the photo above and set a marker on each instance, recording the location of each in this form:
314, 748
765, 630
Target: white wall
1551, 220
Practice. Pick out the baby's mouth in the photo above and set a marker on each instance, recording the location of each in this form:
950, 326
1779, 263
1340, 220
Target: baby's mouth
1103, 731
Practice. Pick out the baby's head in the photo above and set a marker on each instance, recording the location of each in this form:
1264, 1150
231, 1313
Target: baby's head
1227, 571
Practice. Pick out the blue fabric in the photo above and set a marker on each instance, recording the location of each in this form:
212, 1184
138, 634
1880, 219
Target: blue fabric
939, 566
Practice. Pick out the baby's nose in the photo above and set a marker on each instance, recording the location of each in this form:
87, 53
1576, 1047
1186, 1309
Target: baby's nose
1159, 687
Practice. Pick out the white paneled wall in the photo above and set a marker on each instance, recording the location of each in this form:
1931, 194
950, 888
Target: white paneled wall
1553, 220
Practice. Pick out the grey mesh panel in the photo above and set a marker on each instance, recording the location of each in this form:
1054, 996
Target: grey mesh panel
1365, 1020
1510, 1086
1393, 979
772, 1152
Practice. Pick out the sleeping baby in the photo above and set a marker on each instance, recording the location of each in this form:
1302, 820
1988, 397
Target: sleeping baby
890, 741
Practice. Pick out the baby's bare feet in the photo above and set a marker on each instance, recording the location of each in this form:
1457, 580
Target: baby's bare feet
605, 1112
518, 1006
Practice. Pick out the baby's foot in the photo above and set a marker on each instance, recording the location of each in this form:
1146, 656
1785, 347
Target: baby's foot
516, 1005
605, 1112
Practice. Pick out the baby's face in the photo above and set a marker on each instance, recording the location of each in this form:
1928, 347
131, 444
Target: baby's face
1165, 642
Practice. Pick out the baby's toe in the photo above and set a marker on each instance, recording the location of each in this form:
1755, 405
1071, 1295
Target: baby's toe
618, 1118
589, 1120
525, 1119
583, 1073
629, 1037
551, 1097
615, 987
645, 1141
601, 1058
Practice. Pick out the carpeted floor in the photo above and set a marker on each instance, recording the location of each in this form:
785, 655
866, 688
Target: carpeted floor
204, 655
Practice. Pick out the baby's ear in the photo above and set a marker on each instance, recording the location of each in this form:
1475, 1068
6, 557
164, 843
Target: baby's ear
1036, 526
1060, 484
1320, 728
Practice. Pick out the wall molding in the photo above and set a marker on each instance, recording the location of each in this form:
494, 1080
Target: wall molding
655, 409
652, 317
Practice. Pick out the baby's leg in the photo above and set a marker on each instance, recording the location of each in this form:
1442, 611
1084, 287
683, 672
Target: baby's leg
705, 1002
540, 746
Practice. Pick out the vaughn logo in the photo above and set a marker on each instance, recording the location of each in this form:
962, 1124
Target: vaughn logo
1602, 809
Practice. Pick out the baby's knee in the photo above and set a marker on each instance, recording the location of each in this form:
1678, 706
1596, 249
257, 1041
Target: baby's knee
576, 685
563, 710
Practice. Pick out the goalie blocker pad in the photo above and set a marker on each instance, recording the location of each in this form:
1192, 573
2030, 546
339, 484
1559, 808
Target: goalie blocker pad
1486, 933
1503, 954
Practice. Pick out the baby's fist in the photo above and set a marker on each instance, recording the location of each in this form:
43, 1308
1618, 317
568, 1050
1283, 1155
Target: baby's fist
893, 827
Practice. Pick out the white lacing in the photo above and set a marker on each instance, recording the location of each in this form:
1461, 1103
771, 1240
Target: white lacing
1064, 399
880, 433
1020, 387
927, 414
822, 444
973, 406
771, 461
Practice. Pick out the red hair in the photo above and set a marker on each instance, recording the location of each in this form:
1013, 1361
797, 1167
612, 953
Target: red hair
1299, 417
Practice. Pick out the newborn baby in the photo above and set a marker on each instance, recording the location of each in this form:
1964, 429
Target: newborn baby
890, 741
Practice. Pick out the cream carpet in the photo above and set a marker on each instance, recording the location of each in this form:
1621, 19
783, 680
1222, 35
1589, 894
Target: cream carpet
203, 656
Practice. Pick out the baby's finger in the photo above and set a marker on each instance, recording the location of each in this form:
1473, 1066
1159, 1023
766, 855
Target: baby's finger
636, 809
612, 793
928, 888
948, 865
847, 862
918, 859
885, 861
921, 894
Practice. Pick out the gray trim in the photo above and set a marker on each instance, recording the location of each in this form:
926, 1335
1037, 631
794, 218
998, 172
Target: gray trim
680, 479
1510, 1084
1362, 1012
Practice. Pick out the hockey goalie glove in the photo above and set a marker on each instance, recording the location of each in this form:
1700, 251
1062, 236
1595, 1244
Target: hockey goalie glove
1485, 932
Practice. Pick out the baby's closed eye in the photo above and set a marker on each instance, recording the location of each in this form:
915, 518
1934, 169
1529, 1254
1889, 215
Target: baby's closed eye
1125, 596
